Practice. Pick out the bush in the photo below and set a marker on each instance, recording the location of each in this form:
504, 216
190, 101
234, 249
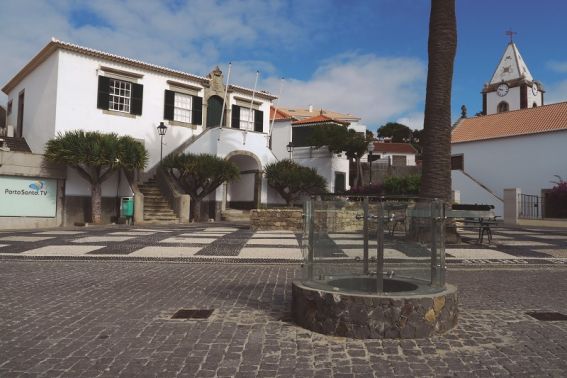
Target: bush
407, 185
557, 199
372, 189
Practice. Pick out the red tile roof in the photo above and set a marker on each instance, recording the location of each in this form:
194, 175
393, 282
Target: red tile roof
401, 148
542, 119
320, 118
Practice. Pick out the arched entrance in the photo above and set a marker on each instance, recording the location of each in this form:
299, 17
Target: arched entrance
245, 193
214, 110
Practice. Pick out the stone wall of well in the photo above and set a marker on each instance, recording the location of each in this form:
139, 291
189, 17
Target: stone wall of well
374, 316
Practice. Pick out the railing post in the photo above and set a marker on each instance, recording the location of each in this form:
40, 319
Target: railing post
380, 249
310, 222
437, 214
365, 230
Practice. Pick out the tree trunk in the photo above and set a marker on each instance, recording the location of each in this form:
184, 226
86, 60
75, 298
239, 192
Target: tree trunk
197, 210
436, 169
96, 203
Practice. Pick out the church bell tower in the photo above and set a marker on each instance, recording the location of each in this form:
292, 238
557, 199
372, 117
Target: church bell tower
512, 86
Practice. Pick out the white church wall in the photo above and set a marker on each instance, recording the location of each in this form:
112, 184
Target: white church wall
525, 162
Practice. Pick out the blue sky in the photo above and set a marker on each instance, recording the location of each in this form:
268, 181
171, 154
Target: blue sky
367, 58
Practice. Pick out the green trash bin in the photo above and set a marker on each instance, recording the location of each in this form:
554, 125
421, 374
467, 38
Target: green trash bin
127, 207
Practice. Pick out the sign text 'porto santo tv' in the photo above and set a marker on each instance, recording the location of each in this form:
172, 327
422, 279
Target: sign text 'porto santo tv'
27, 197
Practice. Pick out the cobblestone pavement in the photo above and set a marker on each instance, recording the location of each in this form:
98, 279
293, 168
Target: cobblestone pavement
236, 243
112, 319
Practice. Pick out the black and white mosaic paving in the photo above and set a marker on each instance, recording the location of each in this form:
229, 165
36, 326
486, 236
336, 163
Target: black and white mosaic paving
237, 242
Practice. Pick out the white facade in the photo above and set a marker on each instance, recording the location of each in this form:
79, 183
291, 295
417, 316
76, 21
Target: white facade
326, 164
526, 162
61, 89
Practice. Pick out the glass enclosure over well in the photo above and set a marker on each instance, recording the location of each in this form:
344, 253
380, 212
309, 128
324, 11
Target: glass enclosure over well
374, 245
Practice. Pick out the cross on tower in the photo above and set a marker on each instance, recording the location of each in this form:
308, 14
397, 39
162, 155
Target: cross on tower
510, 33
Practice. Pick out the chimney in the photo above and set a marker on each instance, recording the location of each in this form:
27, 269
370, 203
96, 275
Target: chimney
310, 108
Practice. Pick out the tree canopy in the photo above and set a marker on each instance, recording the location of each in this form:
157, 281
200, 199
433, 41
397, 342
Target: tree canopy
95, 156
291, 180
199, 175
339, 139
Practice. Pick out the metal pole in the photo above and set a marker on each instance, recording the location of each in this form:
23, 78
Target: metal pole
365, 228
370, 158
161, 149
380, 249
310, 222
437, 214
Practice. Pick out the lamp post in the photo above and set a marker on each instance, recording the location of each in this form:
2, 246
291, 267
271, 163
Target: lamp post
370, 150
162, 129
290, 150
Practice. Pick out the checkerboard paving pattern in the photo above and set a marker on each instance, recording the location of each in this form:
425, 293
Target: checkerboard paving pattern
238, 242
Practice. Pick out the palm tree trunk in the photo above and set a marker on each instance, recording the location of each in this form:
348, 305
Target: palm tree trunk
436, 169
96, 203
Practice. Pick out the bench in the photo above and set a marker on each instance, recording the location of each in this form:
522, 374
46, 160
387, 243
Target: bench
479, 217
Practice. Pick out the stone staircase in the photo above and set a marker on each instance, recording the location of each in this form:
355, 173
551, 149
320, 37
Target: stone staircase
156, 207
233, 215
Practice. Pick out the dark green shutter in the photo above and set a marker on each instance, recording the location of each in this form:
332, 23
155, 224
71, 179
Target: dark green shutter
168, 105
137, 96
103, 89
197, 110
258, 121
235, 117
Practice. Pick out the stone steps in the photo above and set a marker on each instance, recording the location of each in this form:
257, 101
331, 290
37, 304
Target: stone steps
156, 207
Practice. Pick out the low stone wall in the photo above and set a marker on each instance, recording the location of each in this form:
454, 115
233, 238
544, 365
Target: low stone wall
276, 219
374, 316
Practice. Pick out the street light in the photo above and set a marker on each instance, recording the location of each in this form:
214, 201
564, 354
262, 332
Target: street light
370, 149
161, 129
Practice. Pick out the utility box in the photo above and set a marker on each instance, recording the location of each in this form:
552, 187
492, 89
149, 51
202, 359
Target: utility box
127, 207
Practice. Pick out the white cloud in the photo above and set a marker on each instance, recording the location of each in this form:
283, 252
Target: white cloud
414, 120
556, 66
556, 92
374, 88
195, 36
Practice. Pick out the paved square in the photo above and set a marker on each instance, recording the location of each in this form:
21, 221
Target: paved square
132, 233
279, 241
62, 250
26, 238
166, 252
62, 232
477, 254
188, 240
271, 253
550, 237
523, 243
112, 319
102, 239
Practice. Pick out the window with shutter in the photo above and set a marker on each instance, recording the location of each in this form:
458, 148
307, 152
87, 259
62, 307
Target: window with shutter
119, 95
258, 121
235, 124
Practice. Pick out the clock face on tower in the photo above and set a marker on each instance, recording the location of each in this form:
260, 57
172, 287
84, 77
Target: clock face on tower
502, 90
534, 89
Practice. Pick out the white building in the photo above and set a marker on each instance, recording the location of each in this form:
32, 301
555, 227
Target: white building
295, 125
518, 143
399, 154
67, 87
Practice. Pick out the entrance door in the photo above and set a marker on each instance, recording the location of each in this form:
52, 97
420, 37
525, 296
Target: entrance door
340, 182
214, 109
